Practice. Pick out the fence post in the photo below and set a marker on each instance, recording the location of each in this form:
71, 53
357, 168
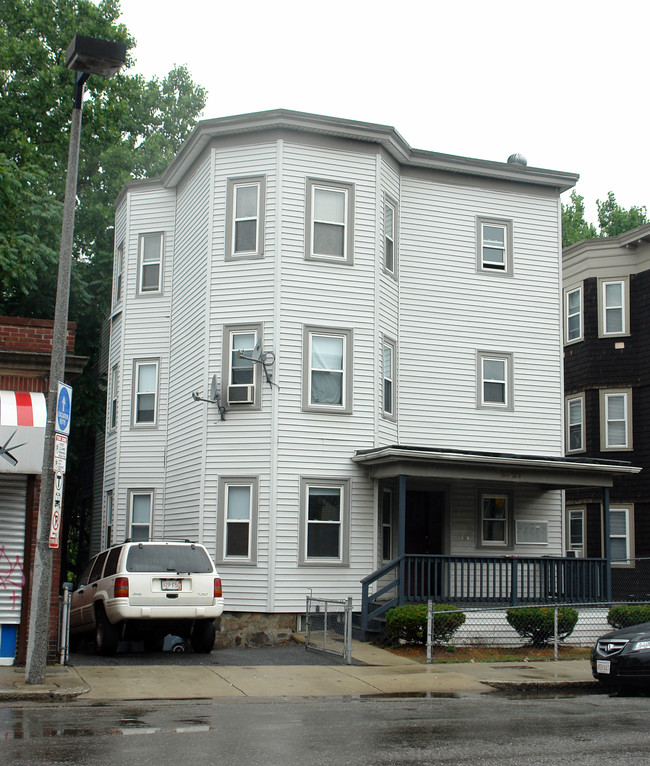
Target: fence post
325, 628
555, 631
430, 628
347, 649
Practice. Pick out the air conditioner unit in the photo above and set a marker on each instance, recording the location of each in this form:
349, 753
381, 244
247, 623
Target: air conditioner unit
574, 554
241, 394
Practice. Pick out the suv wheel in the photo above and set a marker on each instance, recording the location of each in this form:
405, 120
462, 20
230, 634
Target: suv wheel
202, 638
106, 635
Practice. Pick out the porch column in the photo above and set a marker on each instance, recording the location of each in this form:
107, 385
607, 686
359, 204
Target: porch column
607, 545
401, 536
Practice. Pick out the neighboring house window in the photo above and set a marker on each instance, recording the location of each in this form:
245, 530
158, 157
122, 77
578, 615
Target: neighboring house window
615, 419
575, 418
388, 388
386, 525
238, 519
619, 535
151, 251
242, 344
145, 392
109, 518
390, 221
140, 507
114, 393
324, 521
327, 369
495, 519
119, 269
577, 530
613, 317
573, 309
494, 245
245, 218
495, 380
329, 221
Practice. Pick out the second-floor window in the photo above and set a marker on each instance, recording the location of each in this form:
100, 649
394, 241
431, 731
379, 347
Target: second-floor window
615, 411
114, 392
573, 309
575, 423
145, 392
613, 318
119, 269
495, 380
241, 372
388, 389
151, 253
327, 369
140, 507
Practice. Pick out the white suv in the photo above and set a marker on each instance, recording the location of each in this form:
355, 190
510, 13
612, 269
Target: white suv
143, 591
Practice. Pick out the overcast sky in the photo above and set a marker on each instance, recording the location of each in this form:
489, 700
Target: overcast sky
564, 83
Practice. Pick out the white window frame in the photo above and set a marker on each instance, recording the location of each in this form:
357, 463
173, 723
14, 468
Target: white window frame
388, 387
150, 263
347, 224
628, 514
579, 515
229, 334
343, 488
386, 521
571, 314
119, 274
621, 308
136, 493
114, 401
226, 484
346, 373
483, 519
606, 397
137, 393
485, 265
232, 220
108, 517
575, 403
506, 381
390, 237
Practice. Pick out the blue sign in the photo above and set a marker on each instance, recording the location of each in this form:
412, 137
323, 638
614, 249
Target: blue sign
63, 404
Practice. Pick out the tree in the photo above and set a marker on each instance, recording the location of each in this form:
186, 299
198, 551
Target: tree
131, 129
574, 226
612, 219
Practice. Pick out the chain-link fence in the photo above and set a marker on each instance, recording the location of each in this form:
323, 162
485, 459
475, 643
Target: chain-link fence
329, 626
631, 579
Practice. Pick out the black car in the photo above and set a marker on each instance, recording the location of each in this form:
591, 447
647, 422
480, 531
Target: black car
623, 656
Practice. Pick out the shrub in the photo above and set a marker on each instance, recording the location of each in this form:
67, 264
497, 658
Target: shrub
537, 623
409, 623
625, 615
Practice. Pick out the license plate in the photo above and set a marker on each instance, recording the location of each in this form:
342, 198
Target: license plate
171, 585
603, 666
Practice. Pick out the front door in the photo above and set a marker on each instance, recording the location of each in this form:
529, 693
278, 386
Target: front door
425, 512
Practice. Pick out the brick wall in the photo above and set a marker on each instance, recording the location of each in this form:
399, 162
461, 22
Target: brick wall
27, 334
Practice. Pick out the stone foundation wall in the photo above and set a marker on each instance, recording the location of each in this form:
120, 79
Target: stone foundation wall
250, 629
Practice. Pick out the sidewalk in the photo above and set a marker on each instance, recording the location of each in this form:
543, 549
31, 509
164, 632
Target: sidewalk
382, 673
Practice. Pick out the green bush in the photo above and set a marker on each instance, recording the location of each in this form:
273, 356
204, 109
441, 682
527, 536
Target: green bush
537, 623
625, 615
409, 623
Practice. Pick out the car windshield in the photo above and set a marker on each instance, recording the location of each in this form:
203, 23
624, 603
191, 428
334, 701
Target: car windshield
168, 558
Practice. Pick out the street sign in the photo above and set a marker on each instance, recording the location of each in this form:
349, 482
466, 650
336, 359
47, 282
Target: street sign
63, 405
60, 452
57, 507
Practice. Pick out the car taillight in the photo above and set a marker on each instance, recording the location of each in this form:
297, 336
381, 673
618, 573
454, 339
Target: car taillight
121, 587
218, 591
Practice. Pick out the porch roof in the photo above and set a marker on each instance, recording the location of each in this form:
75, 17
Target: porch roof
440, 463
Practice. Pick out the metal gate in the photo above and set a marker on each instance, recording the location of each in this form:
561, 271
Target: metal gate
329, 626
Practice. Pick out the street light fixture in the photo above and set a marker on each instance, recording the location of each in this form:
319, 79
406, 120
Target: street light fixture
86, 56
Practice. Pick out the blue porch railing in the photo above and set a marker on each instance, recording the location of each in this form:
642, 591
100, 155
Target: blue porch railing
482, 579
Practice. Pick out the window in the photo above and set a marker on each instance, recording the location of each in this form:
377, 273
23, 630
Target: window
145, 392
238, 519
327, 369
575, 416
114, 392
613, 317
245, 218
324, 522
388, 379
573, 314
494, 519
242, 343
151, 249
495, 380
615, 420
390, 221
119, 268
108, 518
619, 536
140, 506
386, 525
329, 221
576, 534
494, 245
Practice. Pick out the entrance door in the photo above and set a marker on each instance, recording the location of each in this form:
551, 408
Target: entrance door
424, 536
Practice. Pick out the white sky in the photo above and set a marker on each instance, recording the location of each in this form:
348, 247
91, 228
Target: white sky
564, 83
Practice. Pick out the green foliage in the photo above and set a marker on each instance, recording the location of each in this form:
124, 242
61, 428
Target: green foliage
574, 226
409, 623
537, 623
612, 219
627, 614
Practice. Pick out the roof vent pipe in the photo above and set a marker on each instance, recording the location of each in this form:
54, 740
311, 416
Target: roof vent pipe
517, 159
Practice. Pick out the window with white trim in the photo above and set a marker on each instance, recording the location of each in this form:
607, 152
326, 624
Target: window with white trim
573, 315
388, 379
494, 245
613, 317
390, 225
327, 369
242, 344
619, 536
386, 524
112, 423
140, 508
576, 532
119, 268
575, 420
495, 519
329, 221
245, 218
151, 254
145, 392
324, 521
615, 419
495, 380
108, 519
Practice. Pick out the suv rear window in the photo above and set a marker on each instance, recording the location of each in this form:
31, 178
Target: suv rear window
184, 559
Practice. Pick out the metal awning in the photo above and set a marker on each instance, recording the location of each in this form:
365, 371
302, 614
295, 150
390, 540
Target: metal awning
22, 431
439, 463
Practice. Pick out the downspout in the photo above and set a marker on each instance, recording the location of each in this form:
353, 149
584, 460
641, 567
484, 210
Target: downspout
607, 545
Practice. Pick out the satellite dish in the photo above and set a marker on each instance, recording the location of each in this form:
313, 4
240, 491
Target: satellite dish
213, 389
257, 351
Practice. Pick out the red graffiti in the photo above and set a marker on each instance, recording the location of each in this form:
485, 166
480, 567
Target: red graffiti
12, 577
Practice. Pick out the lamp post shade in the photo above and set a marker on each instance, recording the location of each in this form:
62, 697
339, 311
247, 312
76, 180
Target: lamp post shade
87, 54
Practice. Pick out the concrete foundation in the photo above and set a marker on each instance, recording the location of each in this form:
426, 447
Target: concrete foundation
250, 629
